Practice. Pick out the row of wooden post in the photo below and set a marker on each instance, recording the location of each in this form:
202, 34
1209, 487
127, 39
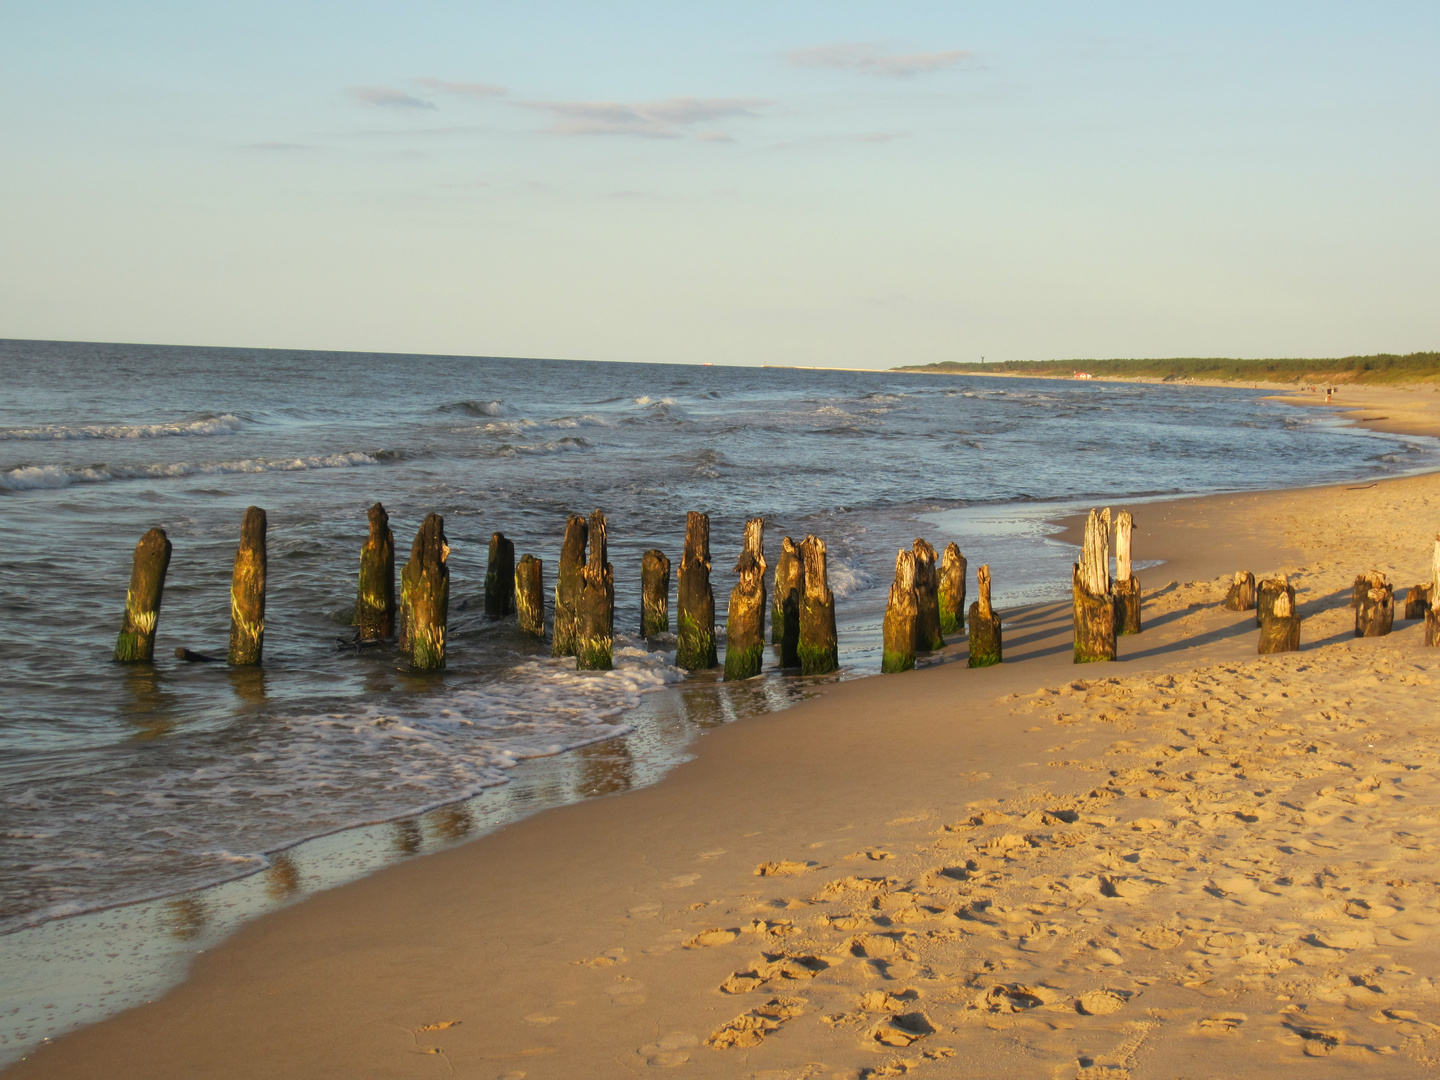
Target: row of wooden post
927, 602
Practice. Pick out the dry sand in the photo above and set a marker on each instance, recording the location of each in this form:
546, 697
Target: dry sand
1194, 862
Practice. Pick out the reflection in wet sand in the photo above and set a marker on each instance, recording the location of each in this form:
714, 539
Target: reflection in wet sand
406, 836
185, 917
605, 768
282, 880
150, 708
451, 822
248, 684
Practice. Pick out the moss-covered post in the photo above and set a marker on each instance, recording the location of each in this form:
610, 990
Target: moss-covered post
654, 593
530, 595
247, 592
500, 578
1094, 606
985, 644
901, 617
595, 606
142, 601
1126, 587
745, 618
951, 590
927, 598
567, 585
375, 598
425, 596
1280, 627
695, 601
819, 647
1375, 607
1241, 596
785, 612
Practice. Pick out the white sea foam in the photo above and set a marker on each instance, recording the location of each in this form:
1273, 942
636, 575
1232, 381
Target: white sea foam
224, 424
39, 477
846, 579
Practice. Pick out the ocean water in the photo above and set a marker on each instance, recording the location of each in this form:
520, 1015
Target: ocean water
121, 783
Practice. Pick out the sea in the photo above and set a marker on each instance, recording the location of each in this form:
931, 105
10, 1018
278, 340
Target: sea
126, 785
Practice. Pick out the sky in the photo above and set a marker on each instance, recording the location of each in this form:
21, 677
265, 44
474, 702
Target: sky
821, 184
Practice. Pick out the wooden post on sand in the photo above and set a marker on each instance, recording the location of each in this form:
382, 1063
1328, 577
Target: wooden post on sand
818, 647
375, 599
1375, 606
1126, 587
901, 617
1241, 596
927, 598
247, 592
1094, 607
695, 601
654, 593
530, 595
985, 643
1432, 618
745, 618
500, 578
1265, 596
785, 609
1417, 601
425, 596
567, 585
1279, 625
953, 571
136, 642
595, 606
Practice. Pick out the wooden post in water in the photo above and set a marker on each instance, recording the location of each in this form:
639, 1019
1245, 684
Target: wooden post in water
425, 596
567, 585
785, 609
530, 595
1280, 629
953, 571
927, 599
985, 643
745, 618
1417, 601
247, 592
1126, 587
1094, 607
654, 593
695, 601
902, 615
1241, 596
142, 601
1375, 607
818, 648
500, 578
1432, 617
375, 599
595, 606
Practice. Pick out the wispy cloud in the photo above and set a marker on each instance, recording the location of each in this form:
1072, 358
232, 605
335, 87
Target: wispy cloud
871, 59
280, 147
668, 119
462, 89
386, 98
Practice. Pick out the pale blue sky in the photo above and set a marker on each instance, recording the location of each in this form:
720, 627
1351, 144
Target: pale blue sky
811, 183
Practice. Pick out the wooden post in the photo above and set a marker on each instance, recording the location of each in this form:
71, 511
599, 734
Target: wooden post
985, 643
247, 592
1265, 596
1094, 607
785, 612
927, 598
142, 601
1432, 617
500, 578
1241, 596
595, 607
695, 601
1126, 588
567, 585
1417, 601
745, 618
530, 595
375, 601
901, 617
1375, 609
425, 596
818, 648
654, 593
1280, 630
953, 571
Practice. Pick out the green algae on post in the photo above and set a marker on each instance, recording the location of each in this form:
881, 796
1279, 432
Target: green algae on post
247, 592
785, 609
818, 647
1090, 589
745, 619
695, 600
136, 642
654, 593
595, 604
1126, 587
985, 644
951, 590
375, 601
927, 599
567, 585
530, 595
425, 596
500, 578
901, 617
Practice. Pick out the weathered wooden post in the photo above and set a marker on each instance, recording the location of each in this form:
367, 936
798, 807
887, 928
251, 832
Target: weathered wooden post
985, 644
530, 595
901, 617
1375, 607
595, 606
654, 593
1265, 596
247, 592
500, 578
953, 571
425, 596
375, 599
1280, 628
695, 601
1241, 596
1094, 608
927, 598
819, 647
1417, 601
745, 618
142, 601
567, 585
1432, 617
1126, 587
785, 610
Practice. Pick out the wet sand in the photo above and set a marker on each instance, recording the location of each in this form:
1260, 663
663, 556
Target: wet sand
1192, 862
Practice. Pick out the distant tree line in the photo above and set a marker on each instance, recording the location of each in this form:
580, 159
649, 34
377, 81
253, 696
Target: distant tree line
1382, 367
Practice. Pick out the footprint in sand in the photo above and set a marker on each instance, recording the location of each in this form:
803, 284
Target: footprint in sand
709, 938
1100, 1003
783, 868
902, 1030
750, 1028
668, 1052
681, 881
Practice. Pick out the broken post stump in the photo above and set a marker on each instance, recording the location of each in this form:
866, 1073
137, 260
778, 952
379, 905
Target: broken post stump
1375, 607
1094, 607
695, 600
1126, 587
247, 592
818, 648
1241, 596
500, 578
567, 585
425, 596
375, 598
530, 595
1432, 617
785, 606
595, 606
901, 617
1417, 601
745, 618
654, 593
136, 642
927, 598
1280, 629
1265, 596
951, 590
985, 643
